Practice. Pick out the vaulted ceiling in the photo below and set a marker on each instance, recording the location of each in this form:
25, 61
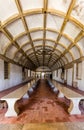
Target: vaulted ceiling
37, 33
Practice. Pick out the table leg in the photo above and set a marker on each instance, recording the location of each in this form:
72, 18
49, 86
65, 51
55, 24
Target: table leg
12, 108
60, 94
74, 106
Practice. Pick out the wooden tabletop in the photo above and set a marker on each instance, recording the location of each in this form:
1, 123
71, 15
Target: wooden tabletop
18, 93
66, 91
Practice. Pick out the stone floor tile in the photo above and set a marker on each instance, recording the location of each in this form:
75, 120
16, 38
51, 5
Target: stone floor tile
11, 127
75, 125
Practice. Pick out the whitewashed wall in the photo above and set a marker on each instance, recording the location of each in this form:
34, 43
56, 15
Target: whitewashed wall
80, 83
26, 73
29, 73
70, 76
58, 78
32, 74
15, 76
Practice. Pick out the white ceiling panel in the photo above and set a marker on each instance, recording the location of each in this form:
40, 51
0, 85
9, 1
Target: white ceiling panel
59, 64
29, 51
7, 9
31, 4
32, 55
75, 52
11, 51
51, 35
17, 57
57, 52
59, 47
62, 62
72, 30
38, 43
22, 40
64, 59
16, 27
81, 45
27, 47
54, 22
54, 56
34, 21
61, 5
49, 43
49, 48
37, 35
64, 41
69, 57
38, 48
4, 42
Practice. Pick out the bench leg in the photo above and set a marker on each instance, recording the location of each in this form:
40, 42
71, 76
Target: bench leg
12, 108
60, 94
74, 106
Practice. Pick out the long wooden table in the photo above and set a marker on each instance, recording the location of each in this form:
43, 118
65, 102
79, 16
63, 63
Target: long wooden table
12, 97
71, 95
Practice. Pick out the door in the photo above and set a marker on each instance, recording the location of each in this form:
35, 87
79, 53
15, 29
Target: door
69, 76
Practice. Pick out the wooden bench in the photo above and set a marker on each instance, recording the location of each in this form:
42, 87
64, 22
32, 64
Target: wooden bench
71, 95
12, 97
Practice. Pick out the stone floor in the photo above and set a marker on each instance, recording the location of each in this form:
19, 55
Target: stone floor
43, 110
44, 126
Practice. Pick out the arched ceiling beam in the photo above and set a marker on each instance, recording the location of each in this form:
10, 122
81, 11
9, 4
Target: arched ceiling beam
9, 36
49, 47
61, 62
38, 58
41, 29
80, 51
41, 46
40, 11
13, 62
44, 26
64, 24
40, 39
25, 25
22, 34
80, 35
56, 48
37, 40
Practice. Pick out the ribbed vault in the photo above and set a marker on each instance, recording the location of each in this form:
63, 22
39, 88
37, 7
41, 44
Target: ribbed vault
37, 33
